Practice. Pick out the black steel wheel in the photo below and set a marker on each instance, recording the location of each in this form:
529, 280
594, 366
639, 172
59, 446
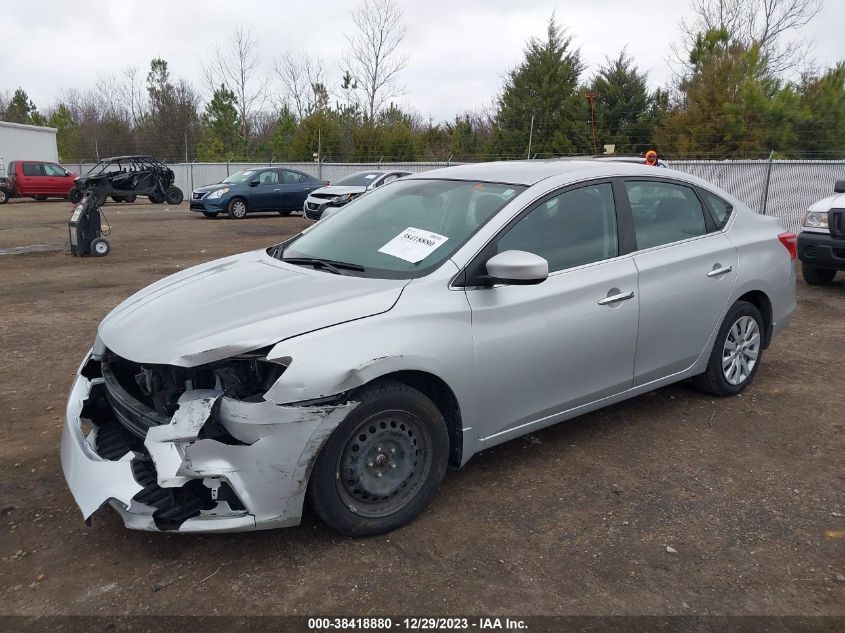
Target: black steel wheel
174, 195
384, 462
156, 197
75, 195
130, 198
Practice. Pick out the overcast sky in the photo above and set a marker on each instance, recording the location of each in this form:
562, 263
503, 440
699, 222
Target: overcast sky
458, 50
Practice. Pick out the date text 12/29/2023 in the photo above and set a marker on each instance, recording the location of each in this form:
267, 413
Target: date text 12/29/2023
416, 624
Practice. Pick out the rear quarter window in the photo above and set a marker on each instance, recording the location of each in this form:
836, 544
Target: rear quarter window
720, 209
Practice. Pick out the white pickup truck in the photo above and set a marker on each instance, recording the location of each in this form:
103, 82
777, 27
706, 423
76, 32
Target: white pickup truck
821, 242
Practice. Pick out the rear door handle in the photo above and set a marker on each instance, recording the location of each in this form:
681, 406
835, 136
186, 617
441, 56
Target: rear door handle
622, 296
720, 271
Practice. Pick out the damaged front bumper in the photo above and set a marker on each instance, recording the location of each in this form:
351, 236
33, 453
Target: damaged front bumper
217, 465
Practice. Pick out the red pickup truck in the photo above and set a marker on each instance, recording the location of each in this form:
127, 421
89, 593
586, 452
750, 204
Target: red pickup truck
36, 179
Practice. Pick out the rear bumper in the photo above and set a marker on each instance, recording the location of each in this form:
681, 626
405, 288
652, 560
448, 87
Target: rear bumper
821, 250
172, 478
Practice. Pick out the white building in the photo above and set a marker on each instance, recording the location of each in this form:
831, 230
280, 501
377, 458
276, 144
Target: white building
26, 142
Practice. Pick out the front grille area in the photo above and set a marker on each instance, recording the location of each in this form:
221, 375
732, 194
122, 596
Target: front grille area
133, 414
313, 215
836, 222
313, 206
120, 433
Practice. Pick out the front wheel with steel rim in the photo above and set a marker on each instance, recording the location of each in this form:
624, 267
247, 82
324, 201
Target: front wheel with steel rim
736, 353
384, 462
237, 209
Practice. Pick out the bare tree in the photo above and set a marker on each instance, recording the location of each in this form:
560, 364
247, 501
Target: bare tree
130, 89
769, 24
373, 58
303, 80
237, 67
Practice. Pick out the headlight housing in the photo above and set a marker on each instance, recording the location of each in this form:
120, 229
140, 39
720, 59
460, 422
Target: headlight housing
218, 192
342, 199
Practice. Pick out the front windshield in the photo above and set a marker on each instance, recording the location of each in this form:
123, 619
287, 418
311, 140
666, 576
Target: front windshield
104, 166
403, 230
360, 179
240, 176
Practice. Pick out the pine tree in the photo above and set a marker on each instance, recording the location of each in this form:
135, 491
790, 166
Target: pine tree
545, 86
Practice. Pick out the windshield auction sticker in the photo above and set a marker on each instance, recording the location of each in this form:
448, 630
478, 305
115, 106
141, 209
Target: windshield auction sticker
413, 245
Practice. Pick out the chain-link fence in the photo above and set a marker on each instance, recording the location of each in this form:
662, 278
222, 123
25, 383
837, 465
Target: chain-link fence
781, 188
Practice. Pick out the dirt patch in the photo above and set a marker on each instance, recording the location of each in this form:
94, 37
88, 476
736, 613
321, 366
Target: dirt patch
576, 519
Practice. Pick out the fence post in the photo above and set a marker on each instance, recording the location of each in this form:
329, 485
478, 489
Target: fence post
319, 169
227, 168
192, 176
765, 197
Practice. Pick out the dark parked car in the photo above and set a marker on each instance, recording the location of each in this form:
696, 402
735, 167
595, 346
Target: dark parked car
126, 177
259, 189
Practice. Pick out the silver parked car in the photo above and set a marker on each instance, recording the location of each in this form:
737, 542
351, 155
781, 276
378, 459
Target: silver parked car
452, 311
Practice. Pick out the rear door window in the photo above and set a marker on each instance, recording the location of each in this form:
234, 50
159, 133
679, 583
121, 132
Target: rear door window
664, 212
33, 169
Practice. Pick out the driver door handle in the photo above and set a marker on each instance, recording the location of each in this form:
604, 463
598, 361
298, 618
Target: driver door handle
720, 271
611, 299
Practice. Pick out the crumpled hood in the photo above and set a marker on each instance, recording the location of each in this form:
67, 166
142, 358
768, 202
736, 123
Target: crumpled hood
237, 304
338, 190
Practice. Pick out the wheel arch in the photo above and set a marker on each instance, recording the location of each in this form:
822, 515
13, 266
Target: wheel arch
761, 301
441, 394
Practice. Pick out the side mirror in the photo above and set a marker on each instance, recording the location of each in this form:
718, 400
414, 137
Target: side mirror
517, 268
839, 187
253, 183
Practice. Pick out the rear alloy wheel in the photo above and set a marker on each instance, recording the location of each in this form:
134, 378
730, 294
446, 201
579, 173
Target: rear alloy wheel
237, 209
384, 462
817, 276
4, 197
174, 196
736, 353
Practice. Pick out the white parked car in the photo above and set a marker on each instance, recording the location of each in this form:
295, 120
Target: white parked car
326, 200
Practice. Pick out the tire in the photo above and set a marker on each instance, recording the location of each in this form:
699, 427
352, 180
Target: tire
156, 198
364, 481
723, 362
118, 198
285, 213
817, 276
100, 247
173, 196
237, 208
210, 214
4, 197
74, 195
130, 198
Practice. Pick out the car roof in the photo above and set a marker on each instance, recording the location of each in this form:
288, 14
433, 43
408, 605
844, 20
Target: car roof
530, 172
132, 157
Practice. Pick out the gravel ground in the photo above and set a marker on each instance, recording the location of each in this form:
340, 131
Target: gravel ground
671, 503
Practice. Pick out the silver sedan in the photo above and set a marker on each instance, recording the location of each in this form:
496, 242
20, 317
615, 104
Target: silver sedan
452, 311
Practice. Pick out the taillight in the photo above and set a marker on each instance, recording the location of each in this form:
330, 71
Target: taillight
790, 243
